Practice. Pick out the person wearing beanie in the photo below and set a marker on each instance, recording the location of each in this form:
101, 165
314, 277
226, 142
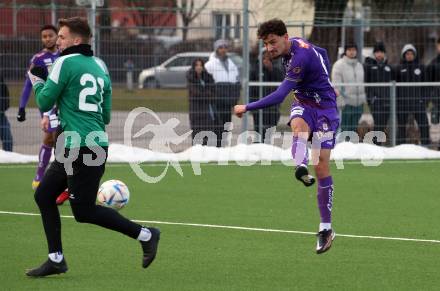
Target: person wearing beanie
433, 75
377, 70
221, 43
227, 85
379, 47
411, 100
350, 98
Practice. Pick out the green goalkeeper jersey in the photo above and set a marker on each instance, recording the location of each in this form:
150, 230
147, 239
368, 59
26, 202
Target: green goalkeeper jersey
79, 85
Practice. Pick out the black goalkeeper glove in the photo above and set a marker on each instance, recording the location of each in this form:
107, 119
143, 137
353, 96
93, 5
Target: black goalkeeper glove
40, 72
21, 115
37, 75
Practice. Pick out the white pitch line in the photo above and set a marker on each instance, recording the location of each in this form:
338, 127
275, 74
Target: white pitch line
248, 228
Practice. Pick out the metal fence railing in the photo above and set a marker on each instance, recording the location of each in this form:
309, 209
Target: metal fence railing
403, 118
149, 49
402, 126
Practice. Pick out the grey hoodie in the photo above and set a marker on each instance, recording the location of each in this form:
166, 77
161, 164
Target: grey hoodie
347, 70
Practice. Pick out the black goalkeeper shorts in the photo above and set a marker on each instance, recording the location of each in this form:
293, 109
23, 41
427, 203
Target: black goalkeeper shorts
81, 178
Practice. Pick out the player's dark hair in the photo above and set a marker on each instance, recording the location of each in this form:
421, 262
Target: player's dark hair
48, 27
77, 25
273, 26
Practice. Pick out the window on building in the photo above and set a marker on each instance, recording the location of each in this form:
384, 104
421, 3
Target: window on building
226, 25
218, 26
237, 26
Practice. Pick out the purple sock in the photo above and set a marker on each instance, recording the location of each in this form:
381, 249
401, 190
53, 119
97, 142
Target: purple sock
43, 161
325, 199
299, 151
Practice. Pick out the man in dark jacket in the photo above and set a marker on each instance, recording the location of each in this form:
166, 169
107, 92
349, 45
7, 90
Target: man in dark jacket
433, 75
272, 72
5, 127
377, 70
411, 100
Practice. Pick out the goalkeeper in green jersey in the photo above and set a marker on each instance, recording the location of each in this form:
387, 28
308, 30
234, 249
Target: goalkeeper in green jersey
79, 85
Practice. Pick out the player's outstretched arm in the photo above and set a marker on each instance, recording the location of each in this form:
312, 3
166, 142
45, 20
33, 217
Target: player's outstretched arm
274, 98
239, 110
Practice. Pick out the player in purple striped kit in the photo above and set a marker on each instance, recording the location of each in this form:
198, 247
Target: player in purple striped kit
314, 115
49, 120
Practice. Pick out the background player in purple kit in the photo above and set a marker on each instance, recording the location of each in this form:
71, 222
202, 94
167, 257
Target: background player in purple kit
49, 121
314, 114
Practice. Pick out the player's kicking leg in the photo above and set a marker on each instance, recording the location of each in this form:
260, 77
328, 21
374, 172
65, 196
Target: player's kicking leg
301, 132
326, 234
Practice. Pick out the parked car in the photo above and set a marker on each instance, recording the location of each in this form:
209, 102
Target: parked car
171, 73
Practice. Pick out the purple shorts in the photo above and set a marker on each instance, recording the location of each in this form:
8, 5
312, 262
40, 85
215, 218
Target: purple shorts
53, 121
323, 123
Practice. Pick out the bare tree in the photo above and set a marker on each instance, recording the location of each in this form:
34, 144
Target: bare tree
188, 13
327, 22
403, 18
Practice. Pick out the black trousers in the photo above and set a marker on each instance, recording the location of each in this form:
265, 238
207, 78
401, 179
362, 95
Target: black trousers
381, 114
227, 95
422, 122
83, 183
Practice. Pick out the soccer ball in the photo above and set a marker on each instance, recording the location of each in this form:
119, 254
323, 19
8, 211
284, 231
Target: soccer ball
113, 194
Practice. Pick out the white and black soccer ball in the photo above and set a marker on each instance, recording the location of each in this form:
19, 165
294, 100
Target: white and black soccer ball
113, 194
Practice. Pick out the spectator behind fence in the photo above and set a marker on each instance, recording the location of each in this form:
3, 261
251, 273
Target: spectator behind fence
5, 126
351, 98
203, 115
433, 75
377, 70
411, 101
226, 78
271, 115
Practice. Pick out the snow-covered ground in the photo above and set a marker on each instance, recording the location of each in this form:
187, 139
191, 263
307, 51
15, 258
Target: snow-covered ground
27, 139
241, 153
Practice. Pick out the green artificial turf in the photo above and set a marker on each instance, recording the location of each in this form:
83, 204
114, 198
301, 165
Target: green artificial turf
396, 199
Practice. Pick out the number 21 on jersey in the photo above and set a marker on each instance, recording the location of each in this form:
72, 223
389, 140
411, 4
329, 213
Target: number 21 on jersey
91, 91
